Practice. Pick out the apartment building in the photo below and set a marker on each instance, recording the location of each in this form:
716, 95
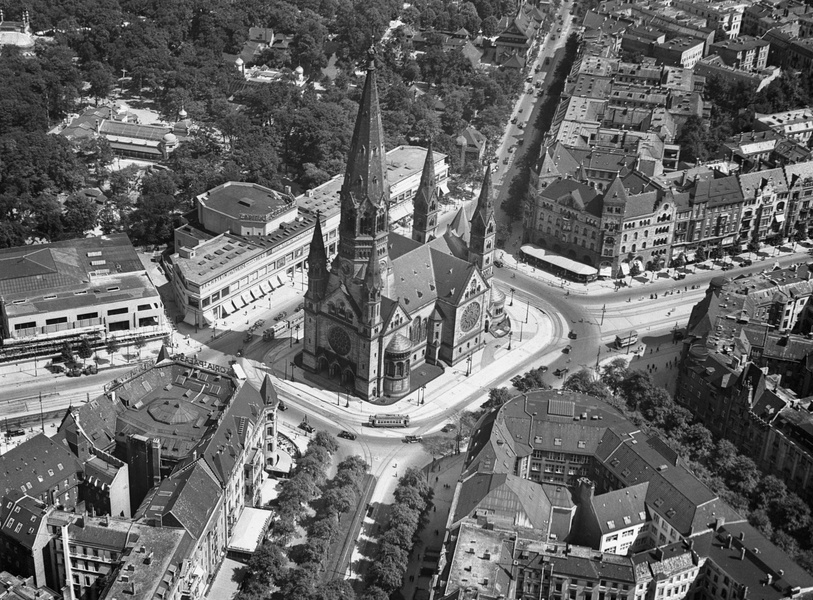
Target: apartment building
744, 52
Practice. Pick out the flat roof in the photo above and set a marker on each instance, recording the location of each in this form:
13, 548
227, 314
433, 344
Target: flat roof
236, 198
224, 252
28, 271
402, 161
249, 530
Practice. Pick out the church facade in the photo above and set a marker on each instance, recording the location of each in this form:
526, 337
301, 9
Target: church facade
387, 304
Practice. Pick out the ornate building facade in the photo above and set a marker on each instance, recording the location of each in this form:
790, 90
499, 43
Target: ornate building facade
387, 303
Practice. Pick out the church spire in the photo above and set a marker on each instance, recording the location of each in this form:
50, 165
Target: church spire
371, 294
365, 177
483, 229
424, 218
317, 263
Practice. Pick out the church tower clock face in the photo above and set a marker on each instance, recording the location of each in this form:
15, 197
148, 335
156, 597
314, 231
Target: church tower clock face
339, 340
470, 316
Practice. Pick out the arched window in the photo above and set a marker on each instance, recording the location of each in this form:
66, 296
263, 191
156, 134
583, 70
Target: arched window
399, 369
390, 369
331, 308
366, 226
415, 330
490, 228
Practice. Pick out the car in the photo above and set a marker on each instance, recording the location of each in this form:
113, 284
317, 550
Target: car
512, 148
449, 427
282, 406
412, 439
538, 68
306, 427
559, 372
300, 306
540, 93
529, 80
347, 435
747, 262
281, 316
90, 370
559, 30
514, 120
521, 125
520, 142
680, 276
520, 109
15, 432
572, 335
498, 263
247, 338
567, 349
547, 60
74, 372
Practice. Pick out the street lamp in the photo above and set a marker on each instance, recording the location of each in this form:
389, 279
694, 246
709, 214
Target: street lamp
527, 309
297, 333
512, 298
42, 421
510, 333
603, 310
468, 365
423, 398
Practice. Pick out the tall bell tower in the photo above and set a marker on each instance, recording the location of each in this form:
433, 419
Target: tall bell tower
425, 215
364, 196
483, 230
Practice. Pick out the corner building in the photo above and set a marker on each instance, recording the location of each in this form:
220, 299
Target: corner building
387, 304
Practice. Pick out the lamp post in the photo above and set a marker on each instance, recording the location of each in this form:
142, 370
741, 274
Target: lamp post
42, 420
512, 298
603, 310
468, 365
520, 331
293, 364
297, 333
510, 334
423, 398
527, 309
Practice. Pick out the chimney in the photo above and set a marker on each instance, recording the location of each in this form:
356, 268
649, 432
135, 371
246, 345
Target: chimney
742, 553
742, 535
769, 580
718, 523
728, 541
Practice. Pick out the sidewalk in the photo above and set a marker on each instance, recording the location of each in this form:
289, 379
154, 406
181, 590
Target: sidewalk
490, 367
768, 256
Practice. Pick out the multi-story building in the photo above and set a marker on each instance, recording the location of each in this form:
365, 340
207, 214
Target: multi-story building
509, 539
91, 288
744, 52
799, 214
244, 240
765, 204
725, 16
796, 124
679, 52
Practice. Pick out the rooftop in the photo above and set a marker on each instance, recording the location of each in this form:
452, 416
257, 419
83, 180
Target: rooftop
246, 200
402, 161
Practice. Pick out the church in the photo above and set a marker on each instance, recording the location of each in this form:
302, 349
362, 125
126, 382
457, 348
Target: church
388, 304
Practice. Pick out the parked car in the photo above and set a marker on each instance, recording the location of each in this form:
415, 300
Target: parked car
247, 338
572, 335
505, 161
281, 316
74, 372
282, 406
412, 439
449, 427
514, 120
512, 148
300, 306
567, 349
347, 435
498, 263
521, 125
90, 370
747, 262
529, 80
306, 427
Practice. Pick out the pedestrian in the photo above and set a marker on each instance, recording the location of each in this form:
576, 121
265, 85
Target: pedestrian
658, 349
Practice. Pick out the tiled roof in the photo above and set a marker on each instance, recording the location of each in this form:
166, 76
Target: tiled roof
36, 466
505, 498
619, 509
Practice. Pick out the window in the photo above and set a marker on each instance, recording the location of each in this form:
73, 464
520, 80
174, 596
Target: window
118, 311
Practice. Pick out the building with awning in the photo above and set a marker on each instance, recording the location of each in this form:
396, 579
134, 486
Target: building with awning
560, 265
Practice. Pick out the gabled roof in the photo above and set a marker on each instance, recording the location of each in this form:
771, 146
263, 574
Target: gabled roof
503, 497
621, 508
36, 466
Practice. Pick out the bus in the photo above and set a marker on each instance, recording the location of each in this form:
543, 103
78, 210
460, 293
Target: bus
625, 340
389, 421
238, 371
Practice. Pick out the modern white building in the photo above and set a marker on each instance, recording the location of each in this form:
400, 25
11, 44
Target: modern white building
93, 288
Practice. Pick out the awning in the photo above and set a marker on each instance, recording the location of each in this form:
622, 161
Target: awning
444, 187
234, 305
239, 302
246, 298
605, 271
689, 256
264, 288
562, 262
208, 319
625, 268
779, 218
280, 280
400, 211
224, 310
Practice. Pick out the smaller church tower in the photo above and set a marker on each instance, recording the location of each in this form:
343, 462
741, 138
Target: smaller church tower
425, 215
317, 264
483, 230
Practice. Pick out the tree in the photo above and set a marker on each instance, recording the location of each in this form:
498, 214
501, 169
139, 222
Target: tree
267, 565
85, 350
614, 373
532, 380
79, 216
497, 397
698, 442
112, 347
153, 219
700, 254
335, 589
100, 79
326, 441
139, 343
489, 26
635, 387
66, 353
